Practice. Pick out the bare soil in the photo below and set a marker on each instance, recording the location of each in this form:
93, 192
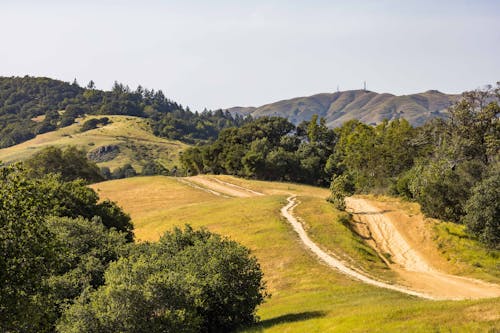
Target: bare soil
401, 240
404, 243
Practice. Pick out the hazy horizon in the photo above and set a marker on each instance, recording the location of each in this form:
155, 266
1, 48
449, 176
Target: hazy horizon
226, 54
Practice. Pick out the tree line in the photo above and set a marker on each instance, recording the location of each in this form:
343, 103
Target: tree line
58, 104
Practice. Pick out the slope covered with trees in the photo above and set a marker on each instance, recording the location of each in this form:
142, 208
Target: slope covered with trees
367, 106
31, 106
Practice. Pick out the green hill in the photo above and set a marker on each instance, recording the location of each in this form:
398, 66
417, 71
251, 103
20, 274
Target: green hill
125, 139
367, 106
35, 105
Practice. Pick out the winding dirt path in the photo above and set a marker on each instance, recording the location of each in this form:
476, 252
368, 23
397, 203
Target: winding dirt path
287, 212
412, 265
418, 277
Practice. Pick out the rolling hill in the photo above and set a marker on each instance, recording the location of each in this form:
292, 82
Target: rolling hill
126, 139
307, 295
366, 106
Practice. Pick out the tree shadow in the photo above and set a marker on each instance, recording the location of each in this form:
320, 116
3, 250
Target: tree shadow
288, 318
374, 213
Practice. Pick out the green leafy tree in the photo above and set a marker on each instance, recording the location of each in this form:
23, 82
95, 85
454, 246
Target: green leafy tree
341, 187
71, 163
191, 281
482, 210
28, 253
86, 247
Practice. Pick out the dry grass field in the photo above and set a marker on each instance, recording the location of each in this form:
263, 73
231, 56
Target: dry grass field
307, 296
132, 135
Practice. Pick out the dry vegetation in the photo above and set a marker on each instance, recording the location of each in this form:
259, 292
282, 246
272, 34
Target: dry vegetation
132, 135
307, 295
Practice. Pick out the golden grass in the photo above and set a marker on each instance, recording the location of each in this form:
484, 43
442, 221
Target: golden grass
131, 134
307, 295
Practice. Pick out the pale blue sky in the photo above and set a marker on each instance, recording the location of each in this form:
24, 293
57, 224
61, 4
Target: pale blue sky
226, 53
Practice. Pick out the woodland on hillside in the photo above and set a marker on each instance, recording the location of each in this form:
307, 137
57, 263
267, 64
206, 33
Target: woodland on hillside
59, 104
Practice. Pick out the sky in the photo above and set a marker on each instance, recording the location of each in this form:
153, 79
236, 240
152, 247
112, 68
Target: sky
218, 54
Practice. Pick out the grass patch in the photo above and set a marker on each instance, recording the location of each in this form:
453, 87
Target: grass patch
473, 258
330, 228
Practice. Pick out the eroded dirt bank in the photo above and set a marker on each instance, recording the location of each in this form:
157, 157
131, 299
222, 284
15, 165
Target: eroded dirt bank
388, 232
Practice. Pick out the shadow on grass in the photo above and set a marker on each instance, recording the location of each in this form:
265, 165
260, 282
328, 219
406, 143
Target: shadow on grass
374, 212
288, 318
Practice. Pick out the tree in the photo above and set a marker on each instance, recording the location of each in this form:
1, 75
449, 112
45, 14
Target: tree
28, 253
341, 187
71, 163
56, 240
191, 281
154, 168
482, 210
125, 171
86, 248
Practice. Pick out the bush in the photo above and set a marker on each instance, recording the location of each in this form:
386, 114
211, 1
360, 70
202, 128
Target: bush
341, 187
71, 163
191, 281
482, 210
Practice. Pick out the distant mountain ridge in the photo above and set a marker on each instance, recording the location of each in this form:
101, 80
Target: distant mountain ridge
367, 106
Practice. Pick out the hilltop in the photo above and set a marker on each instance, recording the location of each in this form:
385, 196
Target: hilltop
367, 106
125, 139
307, 295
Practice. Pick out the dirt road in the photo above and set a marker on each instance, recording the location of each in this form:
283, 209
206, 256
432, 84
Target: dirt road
418, 276
287, 212
403, 255
219, 187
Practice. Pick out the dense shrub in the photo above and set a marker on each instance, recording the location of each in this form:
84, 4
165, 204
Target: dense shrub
191, 281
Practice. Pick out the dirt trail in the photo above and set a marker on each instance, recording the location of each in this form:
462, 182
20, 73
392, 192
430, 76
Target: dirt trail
413, 267
222, 187
208, 190
419, 277
287, 212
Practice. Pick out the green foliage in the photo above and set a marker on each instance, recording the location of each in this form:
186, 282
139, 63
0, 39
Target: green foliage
124, 171
71, 163
94, 123
74, 199
154, 168
442, 189
22, 99
374, 155
28, 252
268, 148
191, 281
482, 210
86, 247
341, 187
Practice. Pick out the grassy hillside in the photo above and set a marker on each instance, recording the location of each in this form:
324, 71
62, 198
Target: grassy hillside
367, 106
132, 135
307, 295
